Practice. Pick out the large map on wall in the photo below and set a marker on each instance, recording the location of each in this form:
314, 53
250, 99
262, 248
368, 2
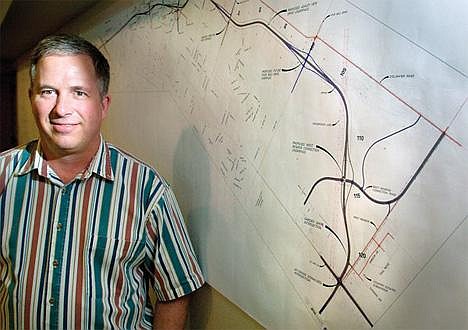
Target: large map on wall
318, 150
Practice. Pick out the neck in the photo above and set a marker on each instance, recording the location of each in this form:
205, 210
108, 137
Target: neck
67, 168
68, 165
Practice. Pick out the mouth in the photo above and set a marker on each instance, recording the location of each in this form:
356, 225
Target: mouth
63, 127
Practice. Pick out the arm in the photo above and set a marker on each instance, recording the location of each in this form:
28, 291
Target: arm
170, 249
171, 315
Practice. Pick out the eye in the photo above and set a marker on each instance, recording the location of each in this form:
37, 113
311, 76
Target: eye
47, 92
80, 93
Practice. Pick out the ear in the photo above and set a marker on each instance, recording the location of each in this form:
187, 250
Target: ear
105, 104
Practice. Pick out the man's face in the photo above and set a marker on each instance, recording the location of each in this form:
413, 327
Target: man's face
67, 105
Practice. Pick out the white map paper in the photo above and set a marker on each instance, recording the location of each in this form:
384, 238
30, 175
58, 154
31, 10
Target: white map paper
318, 149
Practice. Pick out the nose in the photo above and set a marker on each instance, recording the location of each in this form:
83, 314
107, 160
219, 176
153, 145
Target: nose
61, 107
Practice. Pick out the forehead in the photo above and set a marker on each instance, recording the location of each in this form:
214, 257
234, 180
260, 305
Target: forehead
79, 65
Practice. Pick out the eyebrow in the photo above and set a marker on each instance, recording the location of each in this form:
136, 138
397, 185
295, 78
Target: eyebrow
45, 86
79, 87
73, 88
38, 88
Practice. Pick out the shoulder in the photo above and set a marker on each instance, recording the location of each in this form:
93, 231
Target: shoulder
12, 160
123, 158
16, 156
16, 150
126, 164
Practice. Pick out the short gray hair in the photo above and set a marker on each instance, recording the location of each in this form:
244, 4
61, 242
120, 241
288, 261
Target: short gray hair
67, 44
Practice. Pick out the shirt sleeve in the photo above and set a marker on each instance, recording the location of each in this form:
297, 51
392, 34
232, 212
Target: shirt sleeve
172, 260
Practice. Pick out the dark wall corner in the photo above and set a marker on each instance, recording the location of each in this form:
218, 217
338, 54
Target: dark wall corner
8, 137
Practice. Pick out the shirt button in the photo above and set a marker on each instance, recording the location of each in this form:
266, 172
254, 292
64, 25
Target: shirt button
51, 301
59, 226
55, 263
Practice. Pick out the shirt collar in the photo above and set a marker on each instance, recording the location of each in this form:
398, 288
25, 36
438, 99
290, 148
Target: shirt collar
35, 160
100, 165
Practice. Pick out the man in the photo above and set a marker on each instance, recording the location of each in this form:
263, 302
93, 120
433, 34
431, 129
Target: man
86, 229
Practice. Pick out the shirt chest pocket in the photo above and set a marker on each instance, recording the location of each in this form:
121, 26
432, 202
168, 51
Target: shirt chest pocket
106, 251
114, 263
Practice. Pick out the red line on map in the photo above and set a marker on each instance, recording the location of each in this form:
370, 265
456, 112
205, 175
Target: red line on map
367, 75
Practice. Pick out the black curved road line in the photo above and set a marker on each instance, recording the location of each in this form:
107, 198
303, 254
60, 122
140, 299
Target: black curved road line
380, 140
143, 13
334, 234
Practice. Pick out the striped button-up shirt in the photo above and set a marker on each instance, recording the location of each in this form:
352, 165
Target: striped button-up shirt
83, 255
